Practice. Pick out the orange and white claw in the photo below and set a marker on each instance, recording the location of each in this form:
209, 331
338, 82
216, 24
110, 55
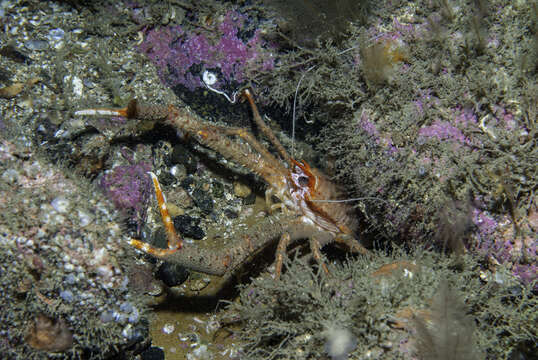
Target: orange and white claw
174, 241
102, 112
148, 249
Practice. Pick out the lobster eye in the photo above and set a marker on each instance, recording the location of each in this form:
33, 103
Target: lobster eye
303, 181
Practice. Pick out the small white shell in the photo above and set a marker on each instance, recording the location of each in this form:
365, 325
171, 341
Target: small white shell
209, 78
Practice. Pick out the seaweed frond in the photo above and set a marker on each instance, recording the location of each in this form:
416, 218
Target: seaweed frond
453, 224
448, 333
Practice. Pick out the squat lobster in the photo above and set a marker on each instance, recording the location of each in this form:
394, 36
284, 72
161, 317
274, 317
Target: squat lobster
302, 190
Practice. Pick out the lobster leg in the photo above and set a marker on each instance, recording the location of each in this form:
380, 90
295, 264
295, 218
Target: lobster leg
217, 261
215, 137
280, 253
352, 243
174, 240
315, 246
266, 130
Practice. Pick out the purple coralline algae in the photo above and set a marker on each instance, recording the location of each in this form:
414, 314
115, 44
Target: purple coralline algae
450, 130
498, 240
128, 186
442, 130
494, 236
181, 56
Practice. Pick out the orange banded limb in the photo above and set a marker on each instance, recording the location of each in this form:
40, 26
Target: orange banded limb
266, 130
133, 110
285, 240
173, 239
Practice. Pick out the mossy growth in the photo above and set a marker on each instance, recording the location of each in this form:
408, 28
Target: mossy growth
311, 87
369, 114
308, 21
289, 319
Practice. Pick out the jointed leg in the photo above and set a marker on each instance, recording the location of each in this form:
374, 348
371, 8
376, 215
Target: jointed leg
174, 240
218, 138
352, 243
215, 261
280, 253
266, 130
314, 247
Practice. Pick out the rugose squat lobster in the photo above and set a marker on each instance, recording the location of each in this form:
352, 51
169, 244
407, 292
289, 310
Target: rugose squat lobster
302, 190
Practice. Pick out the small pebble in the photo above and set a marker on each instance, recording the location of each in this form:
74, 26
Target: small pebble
119, 317
84, 218
199, 284
188, 226
88, 83
126, 307
168, 328
70, 279
67, 295
69, 267
128, 332
230, 214
153, 353
178, 171
203, 200
60, 204
10, 176
241, 190
183, 156
172, 274
174, 210
37, 45
78, 86
134, 316
107, 316
56, 34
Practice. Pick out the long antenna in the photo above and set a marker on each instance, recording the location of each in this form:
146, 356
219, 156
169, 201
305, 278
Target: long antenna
293, 118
